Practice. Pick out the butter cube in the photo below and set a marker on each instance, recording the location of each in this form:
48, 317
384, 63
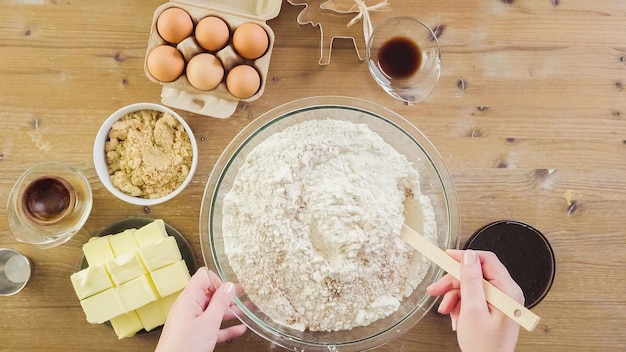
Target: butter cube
150, 233
126, 325
124, 242
103, 306
159, 254
155, 313
91, 280
136, 293
125, 268
98, 250
171, 279
168, 302
152, 315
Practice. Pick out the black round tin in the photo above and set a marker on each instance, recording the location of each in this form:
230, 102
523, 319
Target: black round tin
524, 251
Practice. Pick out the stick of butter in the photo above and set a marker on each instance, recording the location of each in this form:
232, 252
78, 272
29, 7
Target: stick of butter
103, 306
159, 254
151, 233
136, 293
133, 278
126, 325
125, 268
91, 280
152, 315
168, 302
155, 313
171, 279
124, 242
97, 250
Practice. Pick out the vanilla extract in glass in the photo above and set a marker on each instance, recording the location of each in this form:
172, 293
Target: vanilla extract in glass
400, 57
48, 199
49, 204
403, 58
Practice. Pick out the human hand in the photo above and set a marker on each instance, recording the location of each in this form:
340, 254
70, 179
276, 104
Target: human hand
194, 321
479, 326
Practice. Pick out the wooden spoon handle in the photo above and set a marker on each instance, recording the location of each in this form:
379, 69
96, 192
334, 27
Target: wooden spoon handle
507, 305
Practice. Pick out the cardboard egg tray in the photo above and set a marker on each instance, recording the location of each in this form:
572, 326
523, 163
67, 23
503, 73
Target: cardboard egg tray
218, 102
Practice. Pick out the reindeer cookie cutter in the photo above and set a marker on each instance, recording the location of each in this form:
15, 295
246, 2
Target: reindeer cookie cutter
315, 13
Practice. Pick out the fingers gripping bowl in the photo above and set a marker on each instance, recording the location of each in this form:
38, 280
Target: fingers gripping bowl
434, 182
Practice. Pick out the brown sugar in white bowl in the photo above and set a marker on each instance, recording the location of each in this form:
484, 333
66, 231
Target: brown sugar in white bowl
155, 188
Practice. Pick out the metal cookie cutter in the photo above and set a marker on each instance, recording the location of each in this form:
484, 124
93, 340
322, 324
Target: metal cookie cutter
324, 13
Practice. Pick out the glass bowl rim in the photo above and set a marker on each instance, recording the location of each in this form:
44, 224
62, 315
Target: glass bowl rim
277, 114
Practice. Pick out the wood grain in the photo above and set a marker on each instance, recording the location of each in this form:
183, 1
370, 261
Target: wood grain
529, 115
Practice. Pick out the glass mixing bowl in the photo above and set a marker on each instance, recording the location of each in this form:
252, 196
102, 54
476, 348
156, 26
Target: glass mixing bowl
436, 182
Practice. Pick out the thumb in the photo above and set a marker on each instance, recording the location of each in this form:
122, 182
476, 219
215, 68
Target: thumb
219, 304
472, 291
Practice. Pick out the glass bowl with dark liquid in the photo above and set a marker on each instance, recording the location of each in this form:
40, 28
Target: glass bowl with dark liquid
49, 204
403, 58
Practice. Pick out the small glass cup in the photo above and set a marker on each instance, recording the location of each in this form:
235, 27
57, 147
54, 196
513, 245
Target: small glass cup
403, 57
49, 204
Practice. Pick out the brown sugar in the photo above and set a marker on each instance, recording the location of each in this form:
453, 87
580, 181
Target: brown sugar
148, 154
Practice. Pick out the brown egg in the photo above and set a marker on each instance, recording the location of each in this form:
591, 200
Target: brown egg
165, 63
205, 71
243, 81
250, 40
174, 25
212, 33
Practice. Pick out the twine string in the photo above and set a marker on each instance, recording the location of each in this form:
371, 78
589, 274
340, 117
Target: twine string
364, 14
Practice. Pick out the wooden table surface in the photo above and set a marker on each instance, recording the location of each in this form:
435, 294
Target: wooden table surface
529, 115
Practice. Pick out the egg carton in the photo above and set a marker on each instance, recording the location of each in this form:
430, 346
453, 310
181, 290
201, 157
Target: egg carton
218, 102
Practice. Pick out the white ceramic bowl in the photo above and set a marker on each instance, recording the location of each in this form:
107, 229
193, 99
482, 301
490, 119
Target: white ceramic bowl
101, 165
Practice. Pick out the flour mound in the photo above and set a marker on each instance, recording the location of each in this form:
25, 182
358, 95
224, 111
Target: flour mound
311, 226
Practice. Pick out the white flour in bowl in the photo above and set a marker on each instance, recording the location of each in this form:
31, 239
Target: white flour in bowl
311, 226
